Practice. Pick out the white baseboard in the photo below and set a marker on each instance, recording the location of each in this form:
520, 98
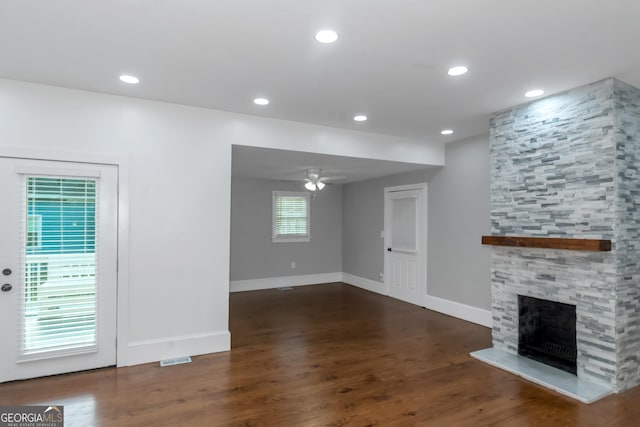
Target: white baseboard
367, 284
461, 311
278, 282
167, 348
441, 305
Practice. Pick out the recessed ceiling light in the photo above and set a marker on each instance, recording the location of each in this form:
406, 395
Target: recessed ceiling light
132, 80
360, 118
326, 36
534, 93
457, 71
446, 132
261, 101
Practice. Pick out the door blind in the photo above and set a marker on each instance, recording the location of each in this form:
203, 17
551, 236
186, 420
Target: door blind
58, 309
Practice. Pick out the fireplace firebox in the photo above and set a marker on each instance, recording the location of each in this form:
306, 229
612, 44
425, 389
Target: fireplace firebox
547, 332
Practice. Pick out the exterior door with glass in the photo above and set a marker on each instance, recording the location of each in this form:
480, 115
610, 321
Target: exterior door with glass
405, 241
58, 267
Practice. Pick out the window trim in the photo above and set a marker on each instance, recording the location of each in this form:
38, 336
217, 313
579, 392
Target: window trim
275, 238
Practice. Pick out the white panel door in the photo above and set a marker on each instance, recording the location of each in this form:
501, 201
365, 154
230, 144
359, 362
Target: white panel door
58, 267
405, 248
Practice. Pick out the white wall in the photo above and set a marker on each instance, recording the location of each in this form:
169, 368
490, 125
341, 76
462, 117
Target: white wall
180, 173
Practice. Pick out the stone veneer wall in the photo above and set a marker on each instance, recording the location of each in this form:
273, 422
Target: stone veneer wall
567, 166
627, 249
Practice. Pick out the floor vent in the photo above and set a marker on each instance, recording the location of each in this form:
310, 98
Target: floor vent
176, 361
285, 288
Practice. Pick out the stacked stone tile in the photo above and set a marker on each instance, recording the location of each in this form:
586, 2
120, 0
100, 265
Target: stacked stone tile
627, 141
569, 166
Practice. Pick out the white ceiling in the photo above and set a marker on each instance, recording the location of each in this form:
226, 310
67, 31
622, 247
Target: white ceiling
389, 63
283, 165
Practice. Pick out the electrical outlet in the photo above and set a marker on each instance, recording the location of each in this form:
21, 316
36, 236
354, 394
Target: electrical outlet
381, 276
293, 265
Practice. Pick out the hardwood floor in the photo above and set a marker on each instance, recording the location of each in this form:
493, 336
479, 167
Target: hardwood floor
327, 355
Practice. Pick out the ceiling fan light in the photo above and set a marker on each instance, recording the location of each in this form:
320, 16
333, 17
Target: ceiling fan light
313, 174
320, 185
310, 186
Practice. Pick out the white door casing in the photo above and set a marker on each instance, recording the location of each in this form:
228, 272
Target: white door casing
22, 358
405, 261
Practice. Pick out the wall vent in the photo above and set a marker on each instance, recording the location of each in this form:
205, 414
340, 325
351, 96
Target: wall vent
176, 361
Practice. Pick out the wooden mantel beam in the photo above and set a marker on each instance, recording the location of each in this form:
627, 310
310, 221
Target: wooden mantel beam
593, 245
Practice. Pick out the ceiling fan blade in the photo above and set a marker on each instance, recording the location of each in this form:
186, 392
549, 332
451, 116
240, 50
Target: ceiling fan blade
332, 178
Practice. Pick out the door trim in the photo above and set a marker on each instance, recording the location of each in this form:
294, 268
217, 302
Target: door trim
122, 163
422, 186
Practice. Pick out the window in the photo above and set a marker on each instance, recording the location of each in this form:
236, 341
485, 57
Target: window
290, 217
34, 231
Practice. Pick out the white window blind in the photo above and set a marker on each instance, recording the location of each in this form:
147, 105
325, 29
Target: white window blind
291, 217
59, 252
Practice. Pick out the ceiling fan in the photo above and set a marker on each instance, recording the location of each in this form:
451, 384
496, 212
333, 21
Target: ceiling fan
314, 180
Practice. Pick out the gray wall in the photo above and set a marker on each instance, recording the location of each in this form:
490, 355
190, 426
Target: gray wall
458, 214
363, 220
459, 266
254, 256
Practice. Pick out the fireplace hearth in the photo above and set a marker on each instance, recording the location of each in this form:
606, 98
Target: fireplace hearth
547, 332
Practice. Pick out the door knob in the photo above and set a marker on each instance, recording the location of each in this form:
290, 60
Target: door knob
6, 287
389, 249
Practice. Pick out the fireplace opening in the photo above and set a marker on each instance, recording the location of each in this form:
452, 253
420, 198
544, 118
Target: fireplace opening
547, 332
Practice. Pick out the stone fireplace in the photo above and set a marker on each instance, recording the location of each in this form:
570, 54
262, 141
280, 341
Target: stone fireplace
568, 166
